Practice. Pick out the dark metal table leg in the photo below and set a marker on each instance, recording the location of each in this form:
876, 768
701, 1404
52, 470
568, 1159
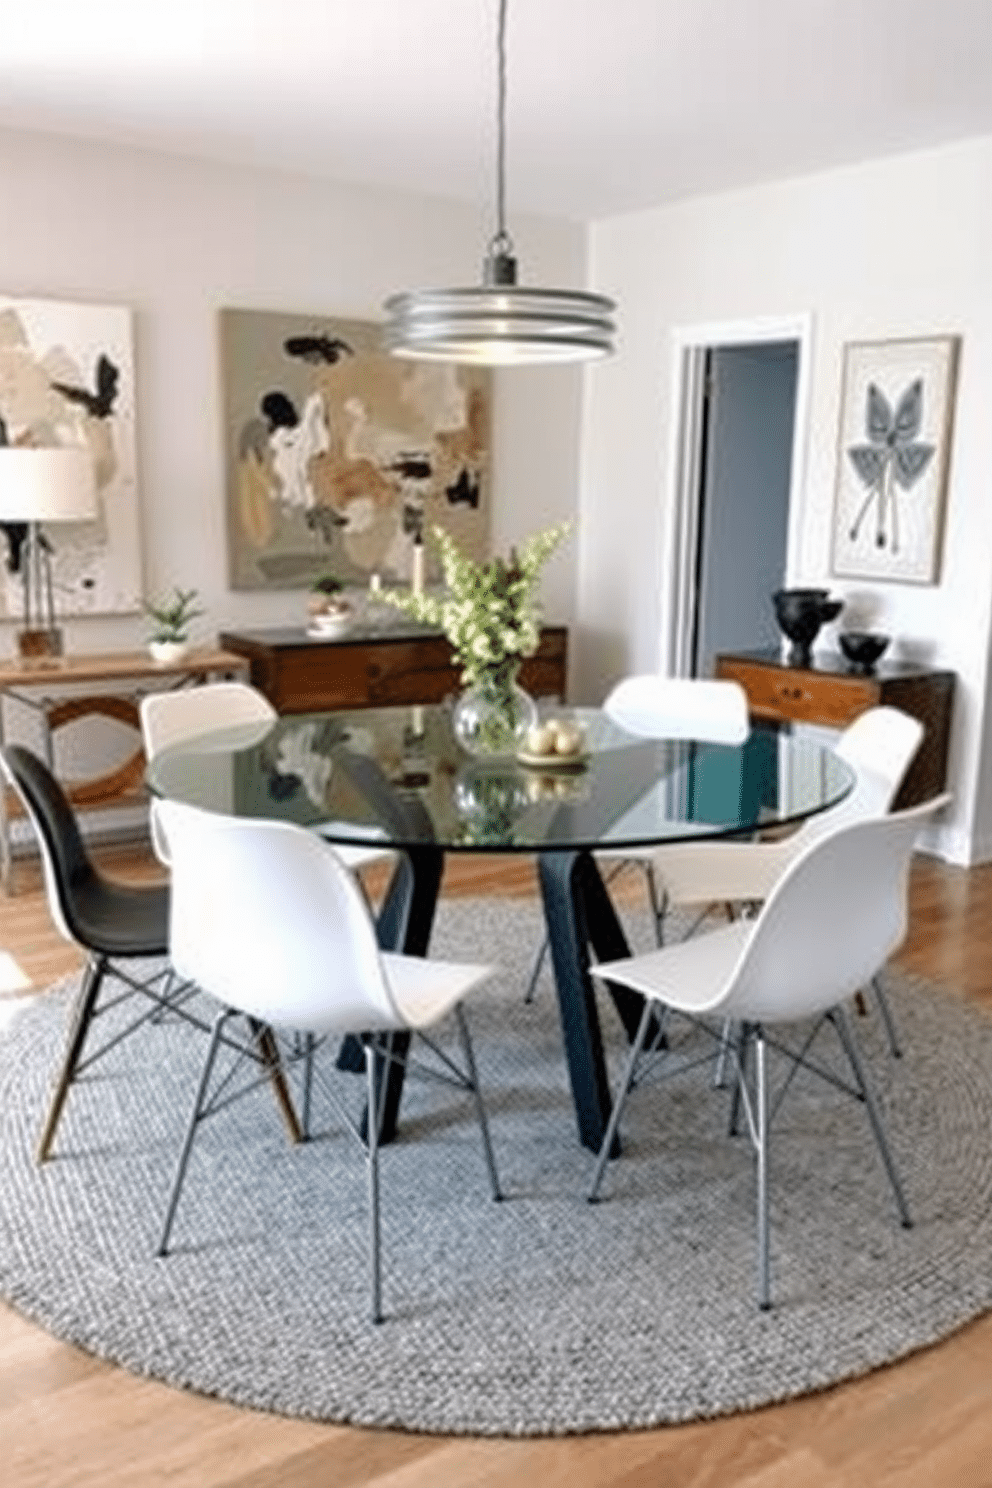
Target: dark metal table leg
579, 913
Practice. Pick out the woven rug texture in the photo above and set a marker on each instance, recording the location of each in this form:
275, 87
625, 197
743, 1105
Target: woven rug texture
540, 1315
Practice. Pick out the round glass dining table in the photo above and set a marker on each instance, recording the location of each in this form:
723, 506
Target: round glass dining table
396, 778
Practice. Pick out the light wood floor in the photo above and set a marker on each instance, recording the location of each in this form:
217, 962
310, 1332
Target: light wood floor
67, 1419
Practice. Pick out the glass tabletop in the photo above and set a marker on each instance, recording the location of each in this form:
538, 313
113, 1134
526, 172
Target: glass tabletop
397, 777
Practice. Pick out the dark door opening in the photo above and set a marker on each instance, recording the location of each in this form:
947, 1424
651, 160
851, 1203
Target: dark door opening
746, 433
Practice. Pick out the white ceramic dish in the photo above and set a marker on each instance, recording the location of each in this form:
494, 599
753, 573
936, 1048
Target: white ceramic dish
329, 630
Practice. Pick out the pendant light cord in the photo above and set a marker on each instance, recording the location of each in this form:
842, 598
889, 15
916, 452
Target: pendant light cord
500, 266
502, 239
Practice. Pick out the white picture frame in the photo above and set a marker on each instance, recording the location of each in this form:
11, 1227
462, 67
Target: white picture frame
67, 377
893, 453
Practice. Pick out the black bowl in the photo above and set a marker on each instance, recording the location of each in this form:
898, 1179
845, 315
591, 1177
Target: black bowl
862, 647
801, 612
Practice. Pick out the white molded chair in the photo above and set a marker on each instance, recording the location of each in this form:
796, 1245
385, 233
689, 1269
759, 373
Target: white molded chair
879, 746
184, 713
829, 924
655, 707
266, 917
171, 717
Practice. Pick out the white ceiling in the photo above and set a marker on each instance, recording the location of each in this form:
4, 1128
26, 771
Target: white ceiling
613, 105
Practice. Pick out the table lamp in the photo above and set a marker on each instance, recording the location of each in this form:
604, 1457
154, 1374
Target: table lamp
39, 486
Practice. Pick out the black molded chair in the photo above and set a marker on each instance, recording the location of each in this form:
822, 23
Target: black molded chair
114, 923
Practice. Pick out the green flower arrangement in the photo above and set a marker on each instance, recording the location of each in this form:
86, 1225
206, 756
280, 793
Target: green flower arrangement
488, 610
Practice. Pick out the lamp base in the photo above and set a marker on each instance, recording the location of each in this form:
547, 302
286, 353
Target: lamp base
35, 645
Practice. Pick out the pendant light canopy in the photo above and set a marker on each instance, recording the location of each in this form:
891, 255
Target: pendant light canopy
499, 322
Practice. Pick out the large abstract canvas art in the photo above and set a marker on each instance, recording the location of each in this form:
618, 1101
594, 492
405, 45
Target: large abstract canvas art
892, 460
67, 377
338, 455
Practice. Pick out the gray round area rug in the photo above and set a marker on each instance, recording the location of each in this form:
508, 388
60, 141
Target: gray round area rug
539, 1315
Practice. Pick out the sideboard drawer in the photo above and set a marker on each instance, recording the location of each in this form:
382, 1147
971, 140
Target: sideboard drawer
364, 670
800, 696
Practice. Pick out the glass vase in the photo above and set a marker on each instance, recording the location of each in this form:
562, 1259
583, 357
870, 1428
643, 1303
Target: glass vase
492, 717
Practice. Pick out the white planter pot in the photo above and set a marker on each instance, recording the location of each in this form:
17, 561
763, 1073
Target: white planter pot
329, 618
167, 651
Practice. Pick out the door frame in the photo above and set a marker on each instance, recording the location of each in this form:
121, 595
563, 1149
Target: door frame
689, 347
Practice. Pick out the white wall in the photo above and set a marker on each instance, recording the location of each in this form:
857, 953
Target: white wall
176, 240
892, 248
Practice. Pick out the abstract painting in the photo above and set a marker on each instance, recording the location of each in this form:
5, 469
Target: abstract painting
338, 455
67, 377
892, 459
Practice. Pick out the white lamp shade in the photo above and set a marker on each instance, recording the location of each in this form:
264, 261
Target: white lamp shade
46, 485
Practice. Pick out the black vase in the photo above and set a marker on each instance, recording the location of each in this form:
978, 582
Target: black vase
800, 613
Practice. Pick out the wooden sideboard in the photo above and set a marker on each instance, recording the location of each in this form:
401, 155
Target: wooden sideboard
828, 692
368, 667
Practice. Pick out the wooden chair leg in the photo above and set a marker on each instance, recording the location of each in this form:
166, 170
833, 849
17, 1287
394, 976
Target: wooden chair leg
268, 1048
89, 991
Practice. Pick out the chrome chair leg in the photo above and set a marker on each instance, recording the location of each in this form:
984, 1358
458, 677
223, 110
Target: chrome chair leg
740, 1046
650, 1008
372, 1157
841, 1021
659, 903
539, 960
473, 1075
720, 1063
198, 1105
308, 1051
158, 1016
882, 1003
761, 1143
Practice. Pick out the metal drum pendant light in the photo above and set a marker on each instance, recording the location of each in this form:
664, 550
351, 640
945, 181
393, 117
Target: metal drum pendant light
499, 322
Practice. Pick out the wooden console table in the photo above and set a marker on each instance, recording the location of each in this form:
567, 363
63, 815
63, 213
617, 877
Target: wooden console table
369, 667
828, 692
60, 690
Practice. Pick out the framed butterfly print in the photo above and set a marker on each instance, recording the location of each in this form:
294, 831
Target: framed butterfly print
897, 404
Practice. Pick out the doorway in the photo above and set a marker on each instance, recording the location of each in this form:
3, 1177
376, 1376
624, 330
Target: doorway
740, 401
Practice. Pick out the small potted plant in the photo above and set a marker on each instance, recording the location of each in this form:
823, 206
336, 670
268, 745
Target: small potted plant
330, 610
169, 640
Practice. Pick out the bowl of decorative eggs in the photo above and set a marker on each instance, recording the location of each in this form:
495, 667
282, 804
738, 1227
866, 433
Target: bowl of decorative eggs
554, 744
